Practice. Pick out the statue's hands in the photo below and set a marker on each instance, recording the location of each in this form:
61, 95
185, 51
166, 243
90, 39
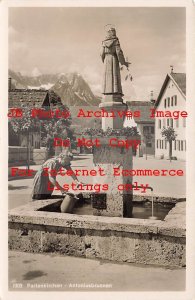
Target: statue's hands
127, 64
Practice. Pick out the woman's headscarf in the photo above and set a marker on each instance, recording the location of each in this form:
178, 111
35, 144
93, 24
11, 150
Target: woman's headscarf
65, 154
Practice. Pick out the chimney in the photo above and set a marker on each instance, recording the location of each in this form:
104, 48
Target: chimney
9, 84
152, 100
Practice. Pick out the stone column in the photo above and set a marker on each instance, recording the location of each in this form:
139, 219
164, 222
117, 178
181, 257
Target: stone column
108, 105
116, 203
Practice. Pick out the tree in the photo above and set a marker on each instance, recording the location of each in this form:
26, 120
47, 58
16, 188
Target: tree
49, 128
56, 128
25, 125
52, 129
170, 135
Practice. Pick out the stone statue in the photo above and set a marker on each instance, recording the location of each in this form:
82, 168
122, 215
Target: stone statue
112, 55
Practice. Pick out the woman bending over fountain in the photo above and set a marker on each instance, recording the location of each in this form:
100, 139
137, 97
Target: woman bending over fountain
43, 186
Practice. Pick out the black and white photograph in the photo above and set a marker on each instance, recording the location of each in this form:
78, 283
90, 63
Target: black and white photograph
97, 129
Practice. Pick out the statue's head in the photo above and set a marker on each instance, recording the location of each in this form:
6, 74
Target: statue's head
110, 31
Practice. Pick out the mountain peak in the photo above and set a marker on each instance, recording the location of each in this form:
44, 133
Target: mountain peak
71, 87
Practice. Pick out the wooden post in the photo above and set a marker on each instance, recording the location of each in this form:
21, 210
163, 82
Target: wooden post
28, 150
170, 150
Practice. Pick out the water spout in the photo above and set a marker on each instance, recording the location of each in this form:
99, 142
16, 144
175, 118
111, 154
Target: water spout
152, 217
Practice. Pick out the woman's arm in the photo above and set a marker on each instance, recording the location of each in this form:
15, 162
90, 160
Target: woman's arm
55, 183
52, 176
74, 177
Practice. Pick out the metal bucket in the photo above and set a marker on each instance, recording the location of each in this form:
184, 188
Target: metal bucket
68, 203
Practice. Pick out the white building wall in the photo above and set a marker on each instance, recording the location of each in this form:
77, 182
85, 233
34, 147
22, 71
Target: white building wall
171, 90
35, 139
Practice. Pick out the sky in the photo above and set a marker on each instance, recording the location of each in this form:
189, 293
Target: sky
62, 40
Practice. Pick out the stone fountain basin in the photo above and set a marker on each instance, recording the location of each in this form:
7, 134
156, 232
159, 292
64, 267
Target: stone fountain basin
32, 229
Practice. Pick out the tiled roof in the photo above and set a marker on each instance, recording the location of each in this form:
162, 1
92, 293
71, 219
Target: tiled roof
17, 97
180, 79
144, 108
28, 97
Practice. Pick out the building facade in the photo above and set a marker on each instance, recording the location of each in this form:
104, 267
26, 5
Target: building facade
145, 126
172, 97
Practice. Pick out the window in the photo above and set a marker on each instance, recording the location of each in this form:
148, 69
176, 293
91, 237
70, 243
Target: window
149, 144
184, 122
168, 101
171, 122
159, 124
178, 142
165, 144
146, 129
167, 122
162, 144
157, 144
165, 103
175, 144
181, 145
175, 100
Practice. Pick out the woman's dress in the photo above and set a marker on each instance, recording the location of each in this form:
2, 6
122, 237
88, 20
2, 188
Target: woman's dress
42, 187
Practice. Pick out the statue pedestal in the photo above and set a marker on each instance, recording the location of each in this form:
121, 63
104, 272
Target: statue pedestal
116, 98
113, 203
113, 122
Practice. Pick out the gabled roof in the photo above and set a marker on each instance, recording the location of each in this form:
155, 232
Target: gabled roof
30, 98
179, 80
144, 108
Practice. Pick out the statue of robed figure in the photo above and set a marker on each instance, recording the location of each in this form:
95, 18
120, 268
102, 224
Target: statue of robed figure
112, 55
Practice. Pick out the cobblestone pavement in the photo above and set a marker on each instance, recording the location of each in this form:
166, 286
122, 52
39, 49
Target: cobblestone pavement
70, 273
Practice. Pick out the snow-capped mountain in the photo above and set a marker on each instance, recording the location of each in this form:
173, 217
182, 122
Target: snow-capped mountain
71, 87
21, 81
74, 90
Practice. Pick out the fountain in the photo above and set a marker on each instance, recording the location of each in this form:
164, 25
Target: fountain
109, 232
